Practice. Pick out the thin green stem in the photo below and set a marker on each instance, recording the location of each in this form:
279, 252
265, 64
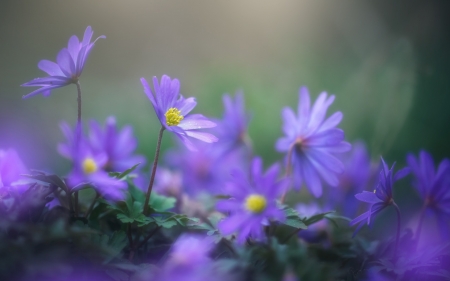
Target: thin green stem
79, 101
155, 164
399, 219
78, 137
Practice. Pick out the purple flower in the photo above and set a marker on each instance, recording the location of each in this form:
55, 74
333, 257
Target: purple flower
88, 166
253, 201
433, 186
172, 110
189, 261
311, 142
382, 196
232, 128
68, 67
117, 145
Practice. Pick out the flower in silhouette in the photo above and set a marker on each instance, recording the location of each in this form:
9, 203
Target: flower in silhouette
69, 65
311, 142
382, 196
172, 110
253, 201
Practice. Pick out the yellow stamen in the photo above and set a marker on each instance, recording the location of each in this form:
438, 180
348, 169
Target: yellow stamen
89, 166
173, 117
255, 203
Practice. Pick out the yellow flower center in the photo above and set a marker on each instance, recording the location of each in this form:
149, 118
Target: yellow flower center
255, 203
173, 117
89, 166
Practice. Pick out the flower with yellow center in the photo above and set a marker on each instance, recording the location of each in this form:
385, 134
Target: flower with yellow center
89, 166
255, 203
173, 116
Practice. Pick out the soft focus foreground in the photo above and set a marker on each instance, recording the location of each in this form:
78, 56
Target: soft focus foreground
205, 205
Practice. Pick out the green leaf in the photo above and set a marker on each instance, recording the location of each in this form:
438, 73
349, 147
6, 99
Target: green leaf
161, 203
52, 179
128, 171
296, 223
316, 218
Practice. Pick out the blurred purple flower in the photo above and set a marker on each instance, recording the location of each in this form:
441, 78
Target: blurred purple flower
117, 145
68, 67
354, 179
11, 167
310, 142
88, 166
189, 261
172, 108
433, 186
232, 129
168, 182
253, 201
316, 232
382, 196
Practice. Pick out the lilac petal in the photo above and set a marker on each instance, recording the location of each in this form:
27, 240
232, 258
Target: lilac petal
374, 209
256, 167
427, 166
283, 144
51, 68
368, 197
303, 107
74, 47
87, 36
360, 218
402, 173
311, 178
339, 148
164, 95
48, 81
319, 111
231, 224
148, 92
157, 91
108, 187
331, 122
196, 121
229, 205
290, 123
186, 106
189, 145
206, 137
174, 92
330, 137
325, 160
66, 63
41, 90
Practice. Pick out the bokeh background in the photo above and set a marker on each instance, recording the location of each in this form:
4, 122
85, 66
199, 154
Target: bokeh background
387, 63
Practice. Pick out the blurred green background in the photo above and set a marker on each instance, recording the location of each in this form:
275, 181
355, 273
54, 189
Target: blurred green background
386, 62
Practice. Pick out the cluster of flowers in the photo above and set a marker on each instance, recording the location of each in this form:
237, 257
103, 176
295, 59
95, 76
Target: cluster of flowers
316, 156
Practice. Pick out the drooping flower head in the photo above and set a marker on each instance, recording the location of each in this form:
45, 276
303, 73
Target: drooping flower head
311, 142
69, 65
88, 166
382, 196
253, 201
172, 110
433, 186
118, 146
232, 129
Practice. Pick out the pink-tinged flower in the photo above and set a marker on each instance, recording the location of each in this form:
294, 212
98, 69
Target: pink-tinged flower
311, 142
433, 186
69, 65
253, 201
118, 146
382, 196
88, 166
172, 110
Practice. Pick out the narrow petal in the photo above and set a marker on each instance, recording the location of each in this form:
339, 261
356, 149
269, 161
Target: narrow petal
74, 47
186, 106
330, 137
319, 110
331, 122
196, 121
290, 124
283, 144
51, 68
402, 173
368, 197
87, 36
303, 107
66, 63
206, 137
41, 90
